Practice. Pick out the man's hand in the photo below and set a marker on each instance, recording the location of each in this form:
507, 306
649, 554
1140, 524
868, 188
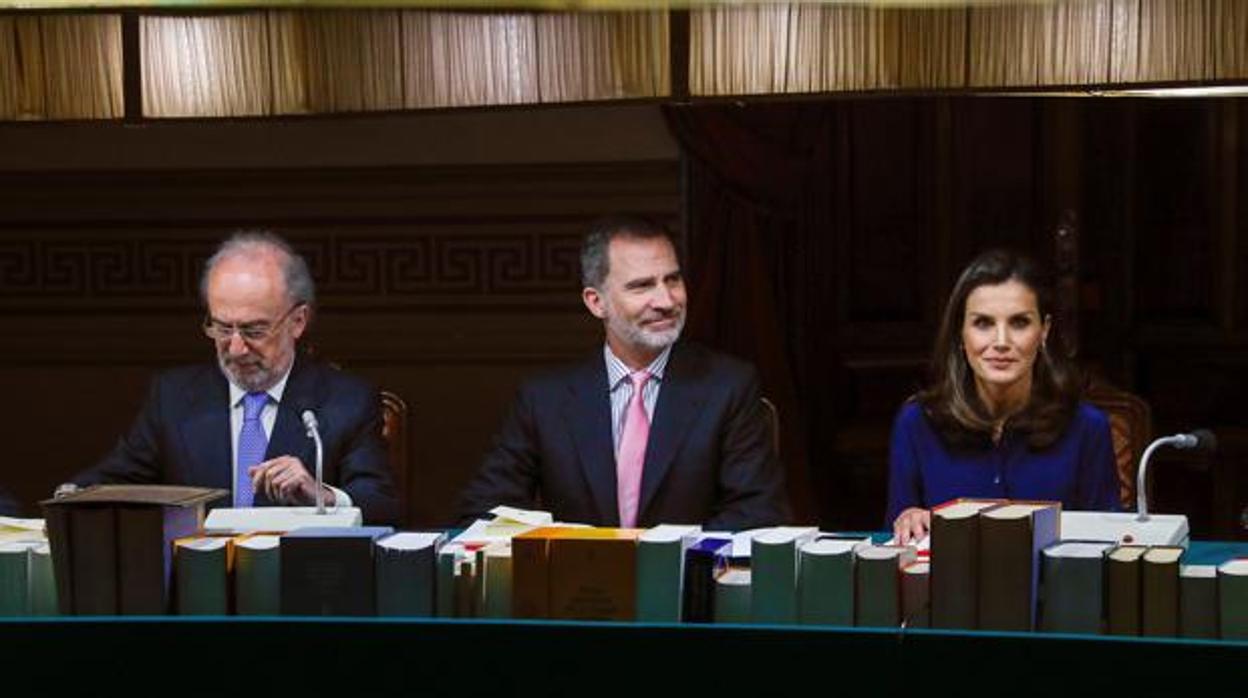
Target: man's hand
912, 525
285, 481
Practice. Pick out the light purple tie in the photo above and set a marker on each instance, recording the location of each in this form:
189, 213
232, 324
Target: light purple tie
631, 459
252, 444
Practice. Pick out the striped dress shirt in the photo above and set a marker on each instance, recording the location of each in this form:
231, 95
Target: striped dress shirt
621, 389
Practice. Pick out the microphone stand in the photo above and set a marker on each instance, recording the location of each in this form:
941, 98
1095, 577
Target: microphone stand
1200, 438
309, 420
1141, 476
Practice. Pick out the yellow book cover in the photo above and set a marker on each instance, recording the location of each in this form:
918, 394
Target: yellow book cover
530, 571
593, 574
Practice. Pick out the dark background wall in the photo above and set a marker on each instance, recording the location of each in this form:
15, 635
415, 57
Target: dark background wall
851, 219
444, 244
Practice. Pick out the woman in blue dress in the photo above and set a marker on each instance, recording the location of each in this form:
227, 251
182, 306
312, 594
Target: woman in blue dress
1002, 416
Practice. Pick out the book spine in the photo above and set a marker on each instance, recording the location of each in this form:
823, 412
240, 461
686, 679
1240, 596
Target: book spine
826, 590
1123, 593
698, 604
15, 583
955, 573
659, 581
878, 593
141, 561
93, 532
530, 577
773, 586
1198, 607
498, 579
1159, 613
202, 582
1232, 606
257, 581
1072, 593
1005, 574
60, 543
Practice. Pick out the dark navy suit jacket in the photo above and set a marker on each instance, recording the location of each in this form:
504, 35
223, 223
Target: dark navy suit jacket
182, 435
8, 505
708, 460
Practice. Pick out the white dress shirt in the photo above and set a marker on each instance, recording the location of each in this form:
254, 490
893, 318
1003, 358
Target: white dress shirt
268, 417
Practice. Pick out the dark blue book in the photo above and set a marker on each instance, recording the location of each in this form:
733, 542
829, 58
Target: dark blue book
704, 561
330, 571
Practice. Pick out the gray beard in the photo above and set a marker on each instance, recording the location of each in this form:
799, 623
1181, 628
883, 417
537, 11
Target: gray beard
258, 381
656, 341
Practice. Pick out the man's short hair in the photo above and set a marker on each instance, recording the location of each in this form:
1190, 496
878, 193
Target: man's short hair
245, 243
595, 264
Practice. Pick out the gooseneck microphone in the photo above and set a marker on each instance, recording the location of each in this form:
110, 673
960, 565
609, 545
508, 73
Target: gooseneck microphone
1202, 439
309, 422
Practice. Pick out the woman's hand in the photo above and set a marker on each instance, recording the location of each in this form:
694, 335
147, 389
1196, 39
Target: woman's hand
912, 525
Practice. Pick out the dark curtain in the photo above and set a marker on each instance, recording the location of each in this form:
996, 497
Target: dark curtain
759, 205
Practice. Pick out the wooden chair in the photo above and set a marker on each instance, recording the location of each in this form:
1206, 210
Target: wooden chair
1130, 426
394, 431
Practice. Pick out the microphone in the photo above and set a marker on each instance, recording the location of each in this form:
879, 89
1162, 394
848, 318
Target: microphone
309, 422
1200, 439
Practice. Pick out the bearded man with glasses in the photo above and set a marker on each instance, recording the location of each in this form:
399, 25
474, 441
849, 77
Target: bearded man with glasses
237, 425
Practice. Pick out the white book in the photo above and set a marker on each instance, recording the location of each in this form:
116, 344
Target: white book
660, 571
495, 568
15, 530
774, 561
202, 573
1198, 601
1071, 593
449, 558
42, 581
406, 573
15, 578
257, 575
825, 582
732, 596
1233, 599
507, 523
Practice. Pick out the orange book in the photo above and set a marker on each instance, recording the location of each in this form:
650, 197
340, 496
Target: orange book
530, 571
529, 574
593, 574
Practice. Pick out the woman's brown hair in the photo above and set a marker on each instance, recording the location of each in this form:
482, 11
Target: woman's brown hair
951, 401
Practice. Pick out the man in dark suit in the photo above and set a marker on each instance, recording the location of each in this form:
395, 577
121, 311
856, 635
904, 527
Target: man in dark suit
8, 505
647, 431
237, 424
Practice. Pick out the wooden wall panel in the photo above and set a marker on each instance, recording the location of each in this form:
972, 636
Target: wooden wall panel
1156, 187
889, 214
1175, 194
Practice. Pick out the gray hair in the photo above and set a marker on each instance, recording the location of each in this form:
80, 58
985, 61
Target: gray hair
249, 243
595, 264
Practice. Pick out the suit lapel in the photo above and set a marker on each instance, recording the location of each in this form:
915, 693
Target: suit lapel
289, 438
205, 432
589, 413
677, 406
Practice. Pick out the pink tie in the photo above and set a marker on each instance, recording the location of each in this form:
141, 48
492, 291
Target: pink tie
632, 456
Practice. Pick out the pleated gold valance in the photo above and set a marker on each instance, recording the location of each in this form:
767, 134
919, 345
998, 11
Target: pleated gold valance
278, 61
792, 48
60, 67
281, 62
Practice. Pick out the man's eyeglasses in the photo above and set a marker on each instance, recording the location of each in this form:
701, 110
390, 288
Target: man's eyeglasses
251, 332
